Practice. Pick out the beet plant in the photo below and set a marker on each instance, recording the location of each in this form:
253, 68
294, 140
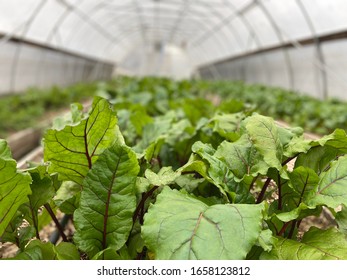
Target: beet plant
176, 178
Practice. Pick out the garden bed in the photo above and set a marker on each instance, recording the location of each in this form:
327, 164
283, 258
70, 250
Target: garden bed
152, 171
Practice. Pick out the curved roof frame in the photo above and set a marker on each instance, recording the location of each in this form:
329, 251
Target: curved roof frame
126, 33
252, 32
319, 54
225, 21
88, 20
187, 12
241, 15
117, 39
280, 38
96, 25
319, 60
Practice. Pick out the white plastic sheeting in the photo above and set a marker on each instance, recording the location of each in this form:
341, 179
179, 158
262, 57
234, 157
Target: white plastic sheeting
174, 37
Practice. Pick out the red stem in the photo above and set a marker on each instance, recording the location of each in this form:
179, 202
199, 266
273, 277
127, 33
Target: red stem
263, 190
283, 229
142, 203
58, 225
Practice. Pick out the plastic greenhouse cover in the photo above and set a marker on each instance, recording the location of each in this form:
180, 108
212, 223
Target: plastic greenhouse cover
208, 29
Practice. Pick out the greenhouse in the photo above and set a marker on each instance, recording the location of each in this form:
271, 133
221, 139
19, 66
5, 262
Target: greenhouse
173, 130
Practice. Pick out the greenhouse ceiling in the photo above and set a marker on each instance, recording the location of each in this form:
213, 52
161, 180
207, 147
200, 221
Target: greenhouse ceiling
199, 34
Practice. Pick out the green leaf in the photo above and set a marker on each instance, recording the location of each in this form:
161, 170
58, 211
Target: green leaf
303, 182
139, 118
73, 150
266, 240
153, 149
189, 182
68, 197
142, 185
264, 134
66, 251
14, 191
242, 158
180, 132
42, 190
218, 172
221, 176
141, 98
341, 220
125, 125
299, 212
332, 187
323, 151
104, 217
11, 232
232, 106
197, 108
227, 125
5, 151
38, 250
296, 146
297, 193
316, 244
288, 134
73, 117
152, 131
34, 253
165, 176
318, 158
112, 254
135, 245
14, 233
179, 226
47, 251
76, 112
239, 191
195, 164
337, 139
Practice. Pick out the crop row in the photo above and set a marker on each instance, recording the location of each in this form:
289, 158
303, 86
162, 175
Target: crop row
322, 117
156, 171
